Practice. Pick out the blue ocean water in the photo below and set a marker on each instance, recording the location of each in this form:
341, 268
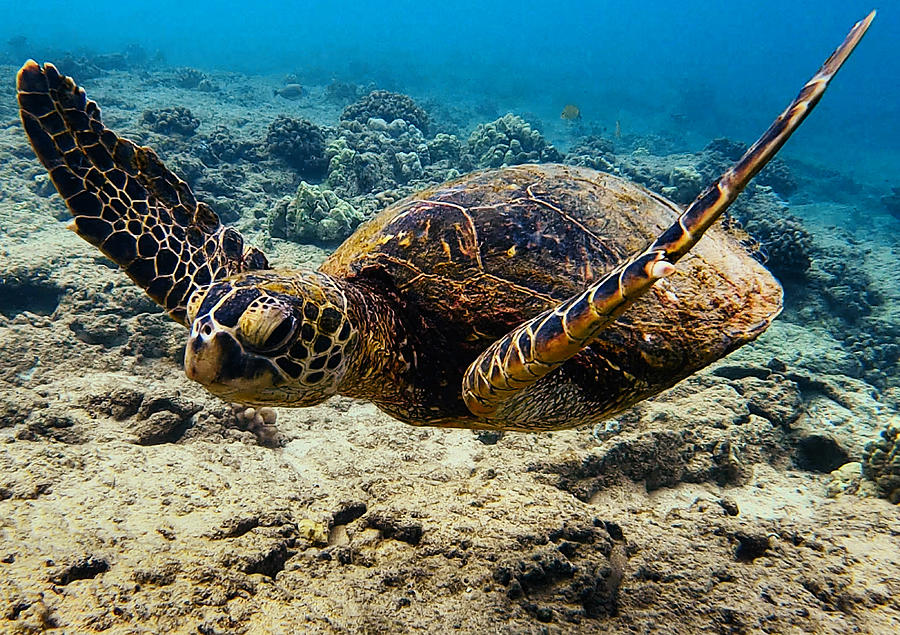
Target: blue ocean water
705, 69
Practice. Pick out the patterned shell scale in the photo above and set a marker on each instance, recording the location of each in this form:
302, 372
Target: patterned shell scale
481, 254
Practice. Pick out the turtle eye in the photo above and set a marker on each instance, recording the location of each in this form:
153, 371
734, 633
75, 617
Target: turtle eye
265, 327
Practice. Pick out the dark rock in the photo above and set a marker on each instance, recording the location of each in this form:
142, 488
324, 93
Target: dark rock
37, 296
16, 404
729, 506
270, 562
53, 422
161, 575
750, 546
777, 399
489, 437
119, 404
557, 581
163, 419
81, 569
396, 528
820, 453
348, 512
105, 330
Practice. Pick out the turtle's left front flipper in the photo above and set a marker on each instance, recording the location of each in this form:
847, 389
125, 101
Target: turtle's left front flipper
123, 199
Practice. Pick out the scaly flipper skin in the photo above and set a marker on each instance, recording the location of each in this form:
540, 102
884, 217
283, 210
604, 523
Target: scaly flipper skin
123, 199
495, 385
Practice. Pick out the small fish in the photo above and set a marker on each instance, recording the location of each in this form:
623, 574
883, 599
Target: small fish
618, 130
289, 91
571, 113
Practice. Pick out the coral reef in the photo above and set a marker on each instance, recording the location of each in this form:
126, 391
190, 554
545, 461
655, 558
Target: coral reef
881, 463
685, 182
189, 78
873, 342
300, 143
594, 152
721, 153
844, 283
383, 104
675, 176
313, 215
848, 480
259, 421
220, 146
375, 156
345, 92
787, 244
171, 121
510, 140
445, 147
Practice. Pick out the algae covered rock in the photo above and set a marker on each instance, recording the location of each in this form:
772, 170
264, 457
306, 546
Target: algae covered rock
510, 140
300, 143
881, 463
315, 214
383, 104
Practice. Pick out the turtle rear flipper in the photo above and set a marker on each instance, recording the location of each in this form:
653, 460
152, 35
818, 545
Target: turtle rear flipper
123, 199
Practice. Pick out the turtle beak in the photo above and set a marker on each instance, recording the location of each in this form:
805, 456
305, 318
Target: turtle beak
215, 359
204, 354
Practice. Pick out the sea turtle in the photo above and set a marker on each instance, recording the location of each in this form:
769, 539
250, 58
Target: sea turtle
496, 301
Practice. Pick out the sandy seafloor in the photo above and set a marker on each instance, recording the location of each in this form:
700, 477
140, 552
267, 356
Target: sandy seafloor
131, 501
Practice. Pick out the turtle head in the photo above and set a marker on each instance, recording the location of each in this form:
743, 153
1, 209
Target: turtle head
269, 338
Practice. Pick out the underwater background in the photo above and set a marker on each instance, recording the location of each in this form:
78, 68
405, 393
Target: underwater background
759, 495
720, 70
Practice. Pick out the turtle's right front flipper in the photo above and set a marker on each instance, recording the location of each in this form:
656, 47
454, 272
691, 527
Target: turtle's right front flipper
123, 199
495, 386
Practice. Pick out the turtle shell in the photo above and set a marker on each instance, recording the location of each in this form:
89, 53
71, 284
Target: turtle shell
475, 257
